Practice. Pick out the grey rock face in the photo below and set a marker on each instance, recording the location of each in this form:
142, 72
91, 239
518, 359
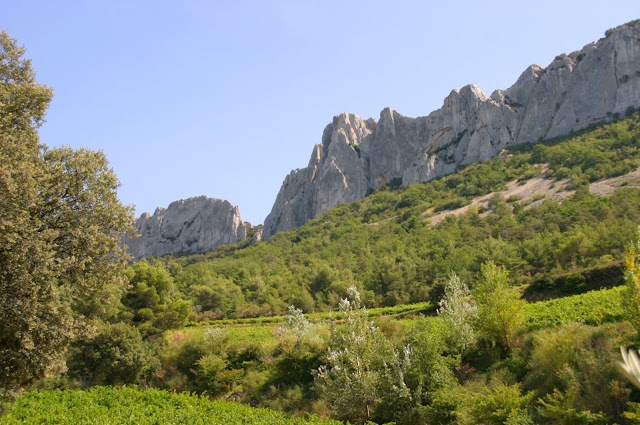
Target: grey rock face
357, 156
191, 225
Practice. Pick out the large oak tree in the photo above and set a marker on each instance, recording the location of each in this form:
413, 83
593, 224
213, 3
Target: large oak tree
60, 229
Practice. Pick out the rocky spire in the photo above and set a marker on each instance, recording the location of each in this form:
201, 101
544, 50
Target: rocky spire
356, 156
191, 225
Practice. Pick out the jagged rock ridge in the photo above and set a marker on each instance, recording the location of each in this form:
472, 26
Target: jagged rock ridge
356, 156
191, 225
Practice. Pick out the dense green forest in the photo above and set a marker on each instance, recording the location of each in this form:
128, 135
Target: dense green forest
398, 308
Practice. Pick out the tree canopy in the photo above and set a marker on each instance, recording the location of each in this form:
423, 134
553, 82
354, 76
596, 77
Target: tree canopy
60, 228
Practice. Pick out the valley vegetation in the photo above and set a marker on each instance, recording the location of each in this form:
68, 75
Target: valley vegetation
511, 312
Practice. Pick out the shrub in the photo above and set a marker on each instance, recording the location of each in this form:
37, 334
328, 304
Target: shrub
572, 369
502, 404
500, 309
116, 355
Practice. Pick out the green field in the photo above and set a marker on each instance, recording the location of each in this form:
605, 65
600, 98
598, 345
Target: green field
127, 405
591, 308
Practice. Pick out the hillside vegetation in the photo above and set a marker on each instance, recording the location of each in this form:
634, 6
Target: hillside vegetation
387, 247
412, 371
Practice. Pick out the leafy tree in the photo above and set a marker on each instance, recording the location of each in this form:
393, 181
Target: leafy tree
60, 227
632, 280
459, 312
502, 404
430, 378
362, 367
500, 308
213, 296
557, 408
153, 302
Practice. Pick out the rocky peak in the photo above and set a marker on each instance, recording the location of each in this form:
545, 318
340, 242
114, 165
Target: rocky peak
190, 225
356, 156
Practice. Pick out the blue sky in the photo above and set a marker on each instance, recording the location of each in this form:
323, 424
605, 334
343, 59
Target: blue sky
225, 98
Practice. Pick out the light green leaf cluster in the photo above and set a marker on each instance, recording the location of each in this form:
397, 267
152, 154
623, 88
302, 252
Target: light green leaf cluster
501, 311
459, 312
362, 365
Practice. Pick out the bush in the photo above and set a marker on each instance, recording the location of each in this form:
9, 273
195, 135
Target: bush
500, 309
573, 370
116, 355
502, 404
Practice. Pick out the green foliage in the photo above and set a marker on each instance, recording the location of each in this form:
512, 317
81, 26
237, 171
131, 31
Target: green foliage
572, 369
393, 311
606, 151
433, 386
152, 302
214, 295
299, 350
206, 360
500, 309
556, 408
632, 414
502, 404
60, 228
214, 374
459, 312
109, 406
546, 286
591, 308
632, 280
116, 355
361, 366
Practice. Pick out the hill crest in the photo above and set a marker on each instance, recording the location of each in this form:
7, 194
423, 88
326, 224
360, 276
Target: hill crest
596, 84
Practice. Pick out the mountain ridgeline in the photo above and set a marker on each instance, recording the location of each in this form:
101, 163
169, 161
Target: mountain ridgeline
556, 214
356, 156
597, 84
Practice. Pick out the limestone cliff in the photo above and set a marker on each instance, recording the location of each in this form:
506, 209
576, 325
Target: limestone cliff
191, 225
356, 156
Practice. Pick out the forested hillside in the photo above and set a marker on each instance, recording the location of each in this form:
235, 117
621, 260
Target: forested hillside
387, 246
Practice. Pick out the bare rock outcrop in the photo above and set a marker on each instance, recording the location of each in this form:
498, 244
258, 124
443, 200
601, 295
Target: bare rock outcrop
191, 225
356, 156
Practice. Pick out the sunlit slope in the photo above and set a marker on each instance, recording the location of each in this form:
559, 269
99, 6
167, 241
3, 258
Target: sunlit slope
543, 211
